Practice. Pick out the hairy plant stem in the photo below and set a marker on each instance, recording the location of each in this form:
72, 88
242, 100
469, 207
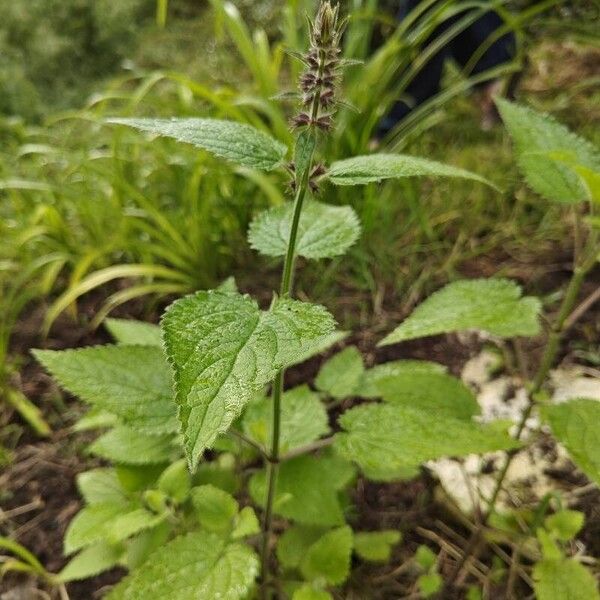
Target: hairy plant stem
273, 457
559, 326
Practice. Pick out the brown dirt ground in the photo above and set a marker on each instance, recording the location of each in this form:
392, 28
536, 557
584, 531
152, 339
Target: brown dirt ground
38, 494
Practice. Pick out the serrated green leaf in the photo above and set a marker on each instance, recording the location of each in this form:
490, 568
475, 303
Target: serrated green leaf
294, 543
107, 521
565, 524
576, 425
537, 137
324, 231
370, 168
308, 592
175, 481
126, 446
564, 579
237, 142
430, 584
425, 557
132, 382
246, 523
134, 333
307, 489
368, 386
329, 557
376, 546
92, 561
303, 419
340, 375
224, 350
91, 524
436, 393
215, 509
101, 485
385, 439
196, 565
128, 524
491, 305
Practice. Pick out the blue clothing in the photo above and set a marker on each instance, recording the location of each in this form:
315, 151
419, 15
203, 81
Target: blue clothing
461, 48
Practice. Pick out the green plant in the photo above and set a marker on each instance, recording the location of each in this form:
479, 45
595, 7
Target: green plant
167, 510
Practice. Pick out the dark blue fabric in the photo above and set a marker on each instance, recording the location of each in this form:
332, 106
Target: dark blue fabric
461, 48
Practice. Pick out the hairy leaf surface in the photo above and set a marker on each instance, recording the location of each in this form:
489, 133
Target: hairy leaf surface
196, 565
538, 138
340, 375
303, 419
307, 489
323, 231
375, 167
491, 305
237, 142
223, 349
132, 382
576, 424
389, 440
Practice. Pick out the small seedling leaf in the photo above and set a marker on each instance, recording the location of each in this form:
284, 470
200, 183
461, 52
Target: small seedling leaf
307, 489
91, 561
329, 557
376, 546
563, 578
339, 376
303, 419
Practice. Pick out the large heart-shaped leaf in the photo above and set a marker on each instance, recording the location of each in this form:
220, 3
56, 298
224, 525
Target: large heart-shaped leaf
224, 349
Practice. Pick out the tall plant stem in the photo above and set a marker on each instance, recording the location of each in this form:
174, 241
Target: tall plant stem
274, 454
559, 326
